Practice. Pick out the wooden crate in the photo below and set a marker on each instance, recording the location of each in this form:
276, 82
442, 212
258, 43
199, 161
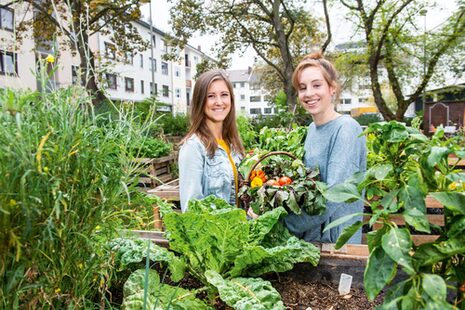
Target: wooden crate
155, 171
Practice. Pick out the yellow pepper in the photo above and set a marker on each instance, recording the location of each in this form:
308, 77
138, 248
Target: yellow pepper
256, 182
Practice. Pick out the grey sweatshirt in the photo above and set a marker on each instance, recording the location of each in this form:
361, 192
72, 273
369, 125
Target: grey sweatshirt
339, 152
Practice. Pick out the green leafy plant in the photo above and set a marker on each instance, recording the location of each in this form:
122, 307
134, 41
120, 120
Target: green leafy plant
281, 139
150, 148
405, 167
65, 179
220, 246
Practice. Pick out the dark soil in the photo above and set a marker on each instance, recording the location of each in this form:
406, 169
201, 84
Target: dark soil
296, 294
320, 295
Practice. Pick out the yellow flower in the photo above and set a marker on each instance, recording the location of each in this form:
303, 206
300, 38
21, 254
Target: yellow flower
453, 186
256, 182
50, 58
57, 290
13, 203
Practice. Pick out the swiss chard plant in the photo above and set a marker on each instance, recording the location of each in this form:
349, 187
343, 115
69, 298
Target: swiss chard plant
226, 252
406, 166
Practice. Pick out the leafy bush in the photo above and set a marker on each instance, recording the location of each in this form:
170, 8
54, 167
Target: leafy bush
247, 132
368, 118
406, 166
150, 147
63, 180
174, 125
281, 139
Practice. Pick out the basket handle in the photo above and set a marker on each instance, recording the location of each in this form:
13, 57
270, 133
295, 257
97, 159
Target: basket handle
265, 156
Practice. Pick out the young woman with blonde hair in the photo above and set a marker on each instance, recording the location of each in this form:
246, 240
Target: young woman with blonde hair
212, 148
333, 144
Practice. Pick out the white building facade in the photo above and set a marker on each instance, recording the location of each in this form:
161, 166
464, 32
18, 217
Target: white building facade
251, 99
128, 80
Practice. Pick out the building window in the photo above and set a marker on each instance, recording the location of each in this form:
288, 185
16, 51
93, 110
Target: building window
110, 50
153, 90
346, 101
242, 108
165, 91
154, 40
129, 84
178, 93
6, 18
177, 72
164, 46
234, 85
141, 60
142, 86
364, 86
254, 86
129, 58
153, 64
255, 98
242, 97
267, 111
255, 111
164, 68
8, 63
111, 80
187, 61
362, 100
196, 60
74, 75
242, 84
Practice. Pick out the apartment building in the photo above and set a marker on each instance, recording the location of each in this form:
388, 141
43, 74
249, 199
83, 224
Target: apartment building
129, 79
251, 99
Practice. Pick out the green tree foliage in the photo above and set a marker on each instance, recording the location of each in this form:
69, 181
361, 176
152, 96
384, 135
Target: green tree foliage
394, 40
279, 31
75, 21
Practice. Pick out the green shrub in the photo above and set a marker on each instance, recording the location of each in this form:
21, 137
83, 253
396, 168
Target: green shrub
175, 125
63, 179
247, 133
368, 118
150, 147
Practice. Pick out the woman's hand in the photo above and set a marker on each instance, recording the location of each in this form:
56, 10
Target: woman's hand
251, 213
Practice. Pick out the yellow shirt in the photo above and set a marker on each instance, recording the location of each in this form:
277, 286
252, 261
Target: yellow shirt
223, 144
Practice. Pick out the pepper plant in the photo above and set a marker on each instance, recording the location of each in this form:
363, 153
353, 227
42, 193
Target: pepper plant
406, 166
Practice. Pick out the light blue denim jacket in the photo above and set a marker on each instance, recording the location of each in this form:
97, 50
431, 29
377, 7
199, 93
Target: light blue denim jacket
201, 175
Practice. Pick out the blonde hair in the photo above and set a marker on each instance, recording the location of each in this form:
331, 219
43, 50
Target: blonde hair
198, 118
327, 69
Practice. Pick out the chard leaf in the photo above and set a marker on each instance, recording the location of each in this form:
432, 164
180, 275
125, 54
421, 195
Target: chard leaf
257, 260
246, 293
397, 243
379, 272
160, 296
292, 203
208, 240
262, 225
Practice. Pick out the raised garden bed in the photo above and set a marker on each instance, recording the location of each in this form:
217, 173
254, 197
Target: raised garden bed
156, 171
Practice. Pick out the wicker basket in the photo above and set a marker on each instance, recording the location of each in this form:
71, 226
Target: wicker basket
247, 179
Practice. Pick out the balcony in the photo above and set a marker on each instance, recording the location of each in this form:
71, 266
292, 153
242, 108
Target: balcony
188, 83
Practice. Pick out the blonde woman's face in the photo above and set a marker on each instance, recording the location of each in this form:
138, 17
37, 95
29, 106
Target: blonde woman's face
314, 92
218, 101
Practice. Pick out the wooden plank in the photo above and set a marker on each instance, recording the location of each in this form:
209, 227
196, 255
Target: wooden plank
164, 159
420, 239
454, 161
437, 219
161, 170
433, 203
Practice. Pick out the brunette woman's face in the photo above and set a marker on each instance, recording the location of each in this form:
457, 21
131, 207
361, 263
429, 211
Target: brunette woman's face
314, 92
218, 102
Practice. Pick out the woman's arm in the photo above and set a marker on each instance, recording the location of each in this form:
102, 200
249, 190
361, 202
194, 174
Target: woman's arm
191, 168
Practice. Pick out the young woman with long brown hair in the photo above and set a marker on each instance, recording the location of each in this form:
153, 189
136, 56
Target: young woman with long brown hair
212, 148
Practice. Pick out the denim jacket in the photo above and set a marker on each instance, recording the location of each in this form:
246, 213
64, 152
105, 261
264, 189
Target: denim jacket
201, 175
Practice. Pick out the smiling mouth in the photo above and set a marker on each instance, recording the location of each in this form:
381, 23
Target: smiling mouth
311, 103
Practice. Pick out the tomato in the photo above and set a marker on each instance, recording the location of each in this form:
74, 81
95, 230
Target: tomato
285, 181
272, 182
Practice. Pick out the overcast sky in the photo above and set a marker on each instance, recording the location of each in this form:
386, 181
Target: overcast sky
340, 28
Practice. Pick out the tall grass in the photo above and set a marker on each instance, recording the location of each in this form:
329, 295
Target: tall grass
63, 186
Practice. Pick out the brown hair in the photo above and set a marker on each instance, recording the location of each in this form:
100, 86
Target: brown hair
198, 118
317, 60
